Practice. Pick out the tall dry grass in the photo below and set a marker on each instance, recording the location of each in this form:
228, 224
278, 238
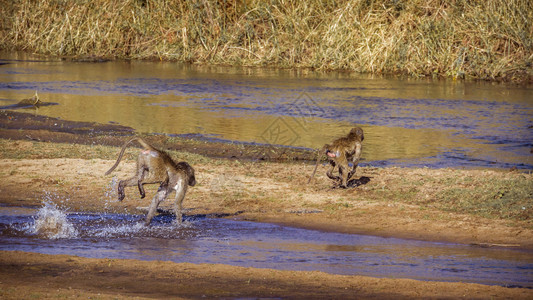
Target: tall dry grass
485, 39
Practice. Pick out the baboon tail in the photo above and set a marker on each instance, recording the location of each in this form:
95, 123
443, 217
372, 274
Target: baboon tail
121, 154
316, 166
145, 145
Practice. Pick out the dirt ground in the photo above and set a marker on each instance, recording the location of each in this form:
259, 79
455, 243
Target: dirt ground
39, 162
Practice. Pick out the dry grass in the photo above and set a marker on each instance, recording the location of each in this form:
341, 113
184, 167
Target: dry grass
487, 193
490, 39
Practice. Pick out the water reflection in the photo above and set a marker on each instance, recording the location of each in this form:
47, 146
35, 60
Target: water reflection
406, 122
240, 243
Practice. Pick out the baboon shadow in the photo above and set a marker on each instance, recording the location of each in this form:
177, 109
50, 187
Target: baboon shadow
354, 182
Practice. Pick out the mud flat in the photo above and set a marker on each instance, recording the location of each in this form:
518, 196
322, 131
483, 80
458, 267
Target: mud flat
43, 159
29, 275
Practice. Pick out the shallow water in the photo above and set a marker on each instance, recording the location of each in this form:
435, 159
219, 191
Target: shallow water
249, 244
407, 122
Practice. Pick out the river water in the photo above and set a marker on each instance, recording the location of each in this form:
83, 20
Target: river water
50, 230
407, 122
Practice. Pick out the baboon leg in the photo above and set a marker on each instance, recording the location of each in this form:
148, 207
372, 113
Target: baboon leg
329, 173
124, 183
181, 189
343, 170
161, 195
352, 172
355, 159
140, 184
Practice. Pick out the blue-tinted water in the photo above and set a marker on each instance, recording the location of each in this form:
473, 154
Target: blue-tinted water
249, 244
406, 122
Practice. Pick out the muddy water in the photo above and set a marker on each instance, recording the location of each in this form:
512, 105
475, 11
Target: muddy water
407, 122
207, 240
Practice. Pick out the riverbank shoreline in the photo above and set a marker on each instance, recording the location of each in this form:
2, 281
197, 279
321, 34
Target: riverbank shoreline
418, 203
30, 275
49, 160
456, 40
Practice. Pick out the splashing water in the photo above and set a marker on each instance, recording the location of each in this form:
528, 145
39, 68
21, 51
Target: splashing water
51, 197
110, 194
52, 223
134, 227
201, 239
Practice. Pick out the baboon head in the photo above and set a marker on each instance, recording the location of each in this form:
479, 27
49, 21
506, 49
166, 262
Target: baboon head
356, 132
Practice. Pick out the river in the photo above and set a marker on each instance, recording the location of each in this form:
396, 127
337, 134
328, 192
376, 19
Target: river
50, 230
407, 122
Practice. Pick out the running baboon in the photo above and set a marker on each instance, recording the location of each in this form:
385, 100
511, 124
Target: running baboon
339, 153
155, 166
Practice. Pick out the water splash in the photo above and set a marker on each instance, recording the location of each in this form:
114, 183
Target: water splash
135, 228
110, 193
52, 223
206, 240
51, 197
118, 230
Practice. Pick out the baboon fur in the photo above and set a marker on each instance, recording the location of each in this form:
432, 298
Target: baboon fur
156, 166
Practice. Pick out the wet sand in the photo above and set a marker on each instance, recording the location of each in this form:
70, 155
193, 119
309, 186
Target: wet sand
275, 192
29, 275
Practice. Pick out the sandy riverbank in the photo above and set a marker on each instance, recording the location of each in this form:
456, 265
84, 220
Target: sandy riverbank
398, 202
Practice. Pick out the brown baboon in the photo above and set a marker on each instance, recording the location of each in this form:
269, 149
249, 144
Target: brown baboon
339, 153
155, 166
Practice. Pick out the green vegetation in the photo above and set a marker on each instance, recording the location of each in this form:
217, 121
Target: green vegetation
490, 39
491, 197
487, 193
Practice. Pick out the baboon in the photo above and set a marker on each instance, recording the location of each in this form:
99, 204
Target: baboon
339, 153
155, 166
